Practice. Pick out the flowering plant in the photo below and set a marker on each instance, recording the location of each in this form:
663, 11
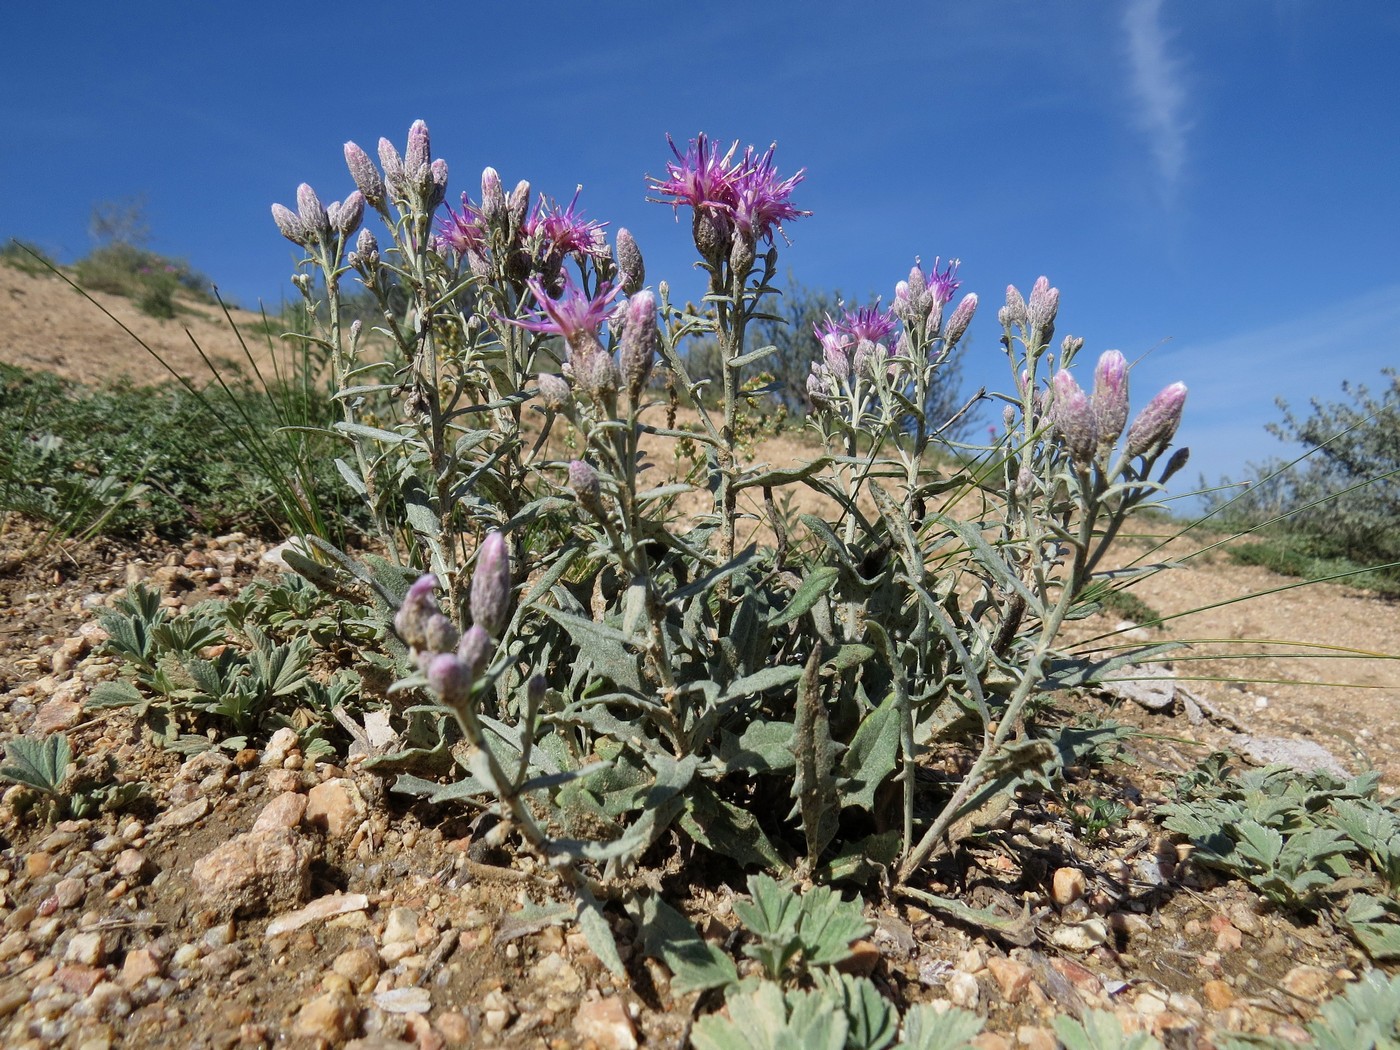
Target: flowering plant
618, 671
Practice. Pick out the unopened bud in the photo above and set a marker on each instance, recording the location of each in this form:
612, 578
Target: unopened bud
1155, 426
639, 341
392, 164
1069, 346
1008, 416
1043, 306
629, 263
367, 246
493, 197
418, 605
289, 225
418, 153
437, 182
1110, 398
346, 217
1013, 314
584, 484
313, 217
1073, 417
365, 174
962, 317
490, 596
440, 634
554, 390
1175, 462
449, 678
595, 371
474, 650
518, 206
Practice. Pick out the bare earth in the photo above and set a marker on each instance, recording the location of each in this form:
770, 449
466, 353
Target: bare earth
105, 941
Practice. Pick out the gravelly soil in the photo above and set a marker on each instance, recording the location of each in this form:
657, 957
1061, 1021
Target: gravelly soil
109, 935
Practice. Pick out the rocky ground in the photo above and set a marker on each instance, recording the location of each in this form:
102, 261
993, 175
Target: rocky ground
263, 898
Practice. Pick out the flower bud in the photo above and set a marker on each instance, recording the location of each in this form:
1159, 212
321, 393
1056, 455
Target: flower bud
1043, 306
417, 154
490, 595
1070, 346
367, 246
346, 217
518, 207
584, 484
639, 341
596, 373
493, 197
437, 185
1155, 426
1073, 418
1175, 462
554, 390
365, 174
629, 262
1013, 314
1008, 416
439, 634
835, 357
313, 217
475, 649
418, 605
1110, 398
450, 678
962, 317
289, 225
393, 169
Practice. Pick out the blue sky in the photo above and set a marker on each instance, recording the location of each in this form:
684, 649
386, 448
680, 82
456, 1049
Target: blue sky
1215, 188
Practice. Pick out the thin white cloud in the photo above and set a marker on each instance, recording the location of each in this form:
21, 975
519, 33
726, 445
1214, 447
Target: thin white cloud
1159, 90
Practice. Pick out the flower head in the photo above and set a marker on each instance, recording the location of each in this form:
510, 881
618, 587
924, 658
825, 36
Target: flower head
727, 195
564, 231
761, 199
943, 285
462, 233
573, 315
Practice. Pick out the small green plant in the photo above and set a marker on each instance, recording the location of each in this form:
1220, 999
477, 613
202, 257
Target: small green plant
800, 999
64, 789
1294, 838
211, 677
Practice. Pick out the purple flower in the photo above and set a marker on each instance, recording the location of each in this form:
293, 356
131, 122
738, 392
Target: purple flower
573, 315
725, 194
464, 233
761, 198
700, 179
943, 285
563, 231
